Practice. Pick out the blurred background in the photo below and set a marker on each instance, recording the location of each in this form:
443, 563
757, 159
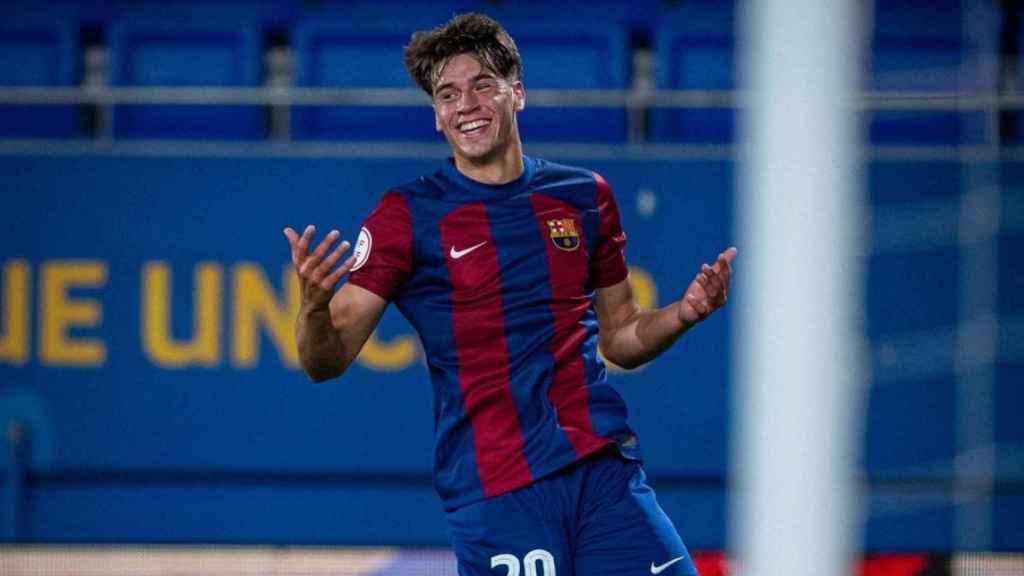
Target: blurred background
154, 419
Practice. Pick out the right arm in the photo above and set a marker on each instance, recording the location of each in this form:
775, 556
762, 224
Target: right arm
331, 328
329, 338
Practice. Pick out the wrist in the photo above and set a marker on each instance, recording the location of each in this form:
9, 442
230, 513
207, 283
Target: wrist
683, 323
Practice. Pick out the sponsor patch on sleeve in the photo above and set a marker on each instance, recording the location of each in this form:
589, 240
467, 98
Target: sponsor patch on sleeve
362, 250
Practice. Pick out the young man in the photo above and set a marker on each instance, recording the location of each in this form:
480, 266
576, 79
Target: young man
511, 269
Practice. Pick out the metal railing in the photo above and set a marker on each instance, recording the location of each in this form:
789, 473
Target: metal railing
279, 99
545, 98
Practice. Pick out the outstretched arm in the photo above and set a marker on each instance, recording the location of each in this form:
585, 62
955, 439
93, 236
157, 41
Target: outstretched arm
630, 337
331, 327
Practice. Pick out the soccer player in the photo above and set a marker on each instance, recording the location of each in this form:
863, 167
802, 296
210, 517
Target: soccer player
511, 269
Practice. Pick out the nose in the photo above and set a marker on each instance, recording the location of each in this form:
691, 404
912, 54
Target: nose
467, 101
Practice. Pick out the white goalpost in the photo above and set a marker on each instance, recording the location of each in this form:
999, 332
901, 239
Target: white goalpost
797, 333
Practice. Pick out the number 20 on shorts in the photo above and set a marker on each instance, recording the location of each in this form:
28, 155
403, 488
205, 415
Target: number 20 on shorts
529, 564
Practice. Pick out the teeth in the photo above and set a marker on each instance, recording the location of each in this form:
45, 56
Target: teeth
472, 125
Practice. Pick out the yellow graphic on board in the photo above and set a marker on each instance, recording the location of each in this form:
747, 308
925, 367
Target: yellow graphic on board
236, 304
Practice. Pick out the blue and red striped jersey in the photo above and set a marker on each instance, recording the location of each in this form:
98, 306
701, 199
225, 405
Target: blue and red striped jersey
499, 283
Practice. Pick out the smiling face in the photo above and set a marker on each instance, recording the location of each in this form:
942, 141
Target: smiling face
476, 110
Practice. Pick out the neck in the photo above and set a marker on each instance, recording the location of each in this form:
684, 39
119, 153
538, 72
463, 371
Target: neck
501, 168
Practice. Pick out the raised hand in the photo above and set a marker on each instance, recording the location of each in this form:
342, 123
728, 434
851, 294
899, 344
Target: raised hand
316, 279
709, 289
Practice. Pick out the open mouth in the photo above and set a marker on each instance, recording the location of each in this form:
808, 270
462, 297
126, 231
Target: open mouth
474, 127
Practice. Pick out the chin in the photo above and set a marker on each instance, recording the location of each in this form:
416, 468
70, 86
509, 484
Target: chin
477, 154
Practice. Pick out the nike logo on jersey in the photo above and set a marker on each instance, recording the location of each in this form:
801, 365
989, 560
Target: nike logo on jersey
456, 254
658, 569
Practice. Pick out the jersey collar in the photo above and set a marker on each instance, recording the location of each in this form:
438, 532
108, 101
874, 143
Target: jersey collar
468, 189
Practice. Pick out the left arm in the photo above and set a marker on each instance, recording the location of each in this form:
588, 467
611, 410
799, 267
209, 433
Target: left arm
630, 337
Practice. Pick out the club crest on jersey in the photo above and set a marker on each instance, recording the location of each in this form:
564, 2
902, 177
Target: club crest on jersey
563, 234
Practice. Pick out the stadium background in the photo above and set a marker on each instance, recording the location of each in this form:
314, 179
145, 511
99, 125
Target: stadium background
153, 414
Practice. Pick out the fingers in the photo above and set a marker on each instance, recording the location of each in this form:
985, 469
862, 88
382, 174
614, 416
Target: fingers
299, 244
313, 261
702, 286
293, 242
729, 254
323, 270
696, 296
699, 305
314, 269
709, 289
719, 275
333, 277
302, 246
709, 273
723, 264
715, 285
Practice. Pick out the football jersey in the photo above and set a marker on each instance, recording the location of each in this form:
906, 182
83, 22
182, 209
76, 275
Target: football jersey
499, 281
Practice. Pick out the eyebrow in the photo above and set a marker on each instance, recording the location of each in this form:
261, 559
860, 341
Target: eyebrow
479, 76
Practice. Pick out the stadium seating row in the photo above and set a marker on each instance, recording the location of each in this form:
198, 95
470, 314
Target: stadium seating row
916, 47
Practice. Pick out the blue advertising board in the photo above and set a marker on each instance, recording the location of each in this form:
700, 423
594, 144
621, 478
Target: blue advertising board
146, 348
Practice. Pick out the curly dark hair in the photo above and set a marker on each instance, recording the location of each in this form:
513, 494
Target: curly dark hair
429, 50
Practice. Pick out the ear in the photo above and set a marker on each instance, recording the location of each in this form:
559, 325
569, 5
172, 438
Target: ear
520, 95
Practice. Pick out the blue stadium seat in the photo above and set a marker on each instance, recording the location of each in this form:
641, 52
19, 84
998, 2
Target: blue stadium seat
1010, 41
38, 53
694, 50
339, 54
571, 45
265, 13
1011, 281
75, 12
919, 47
186, 51
368, 54
572, 55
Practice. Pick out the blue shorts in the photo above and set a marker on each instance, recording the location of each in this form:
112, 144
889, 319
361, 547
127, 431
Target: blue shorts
598, 517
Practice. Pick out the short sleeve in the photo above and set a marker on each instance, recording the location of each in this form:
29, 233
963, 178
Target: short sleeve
383, 249
608, 265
